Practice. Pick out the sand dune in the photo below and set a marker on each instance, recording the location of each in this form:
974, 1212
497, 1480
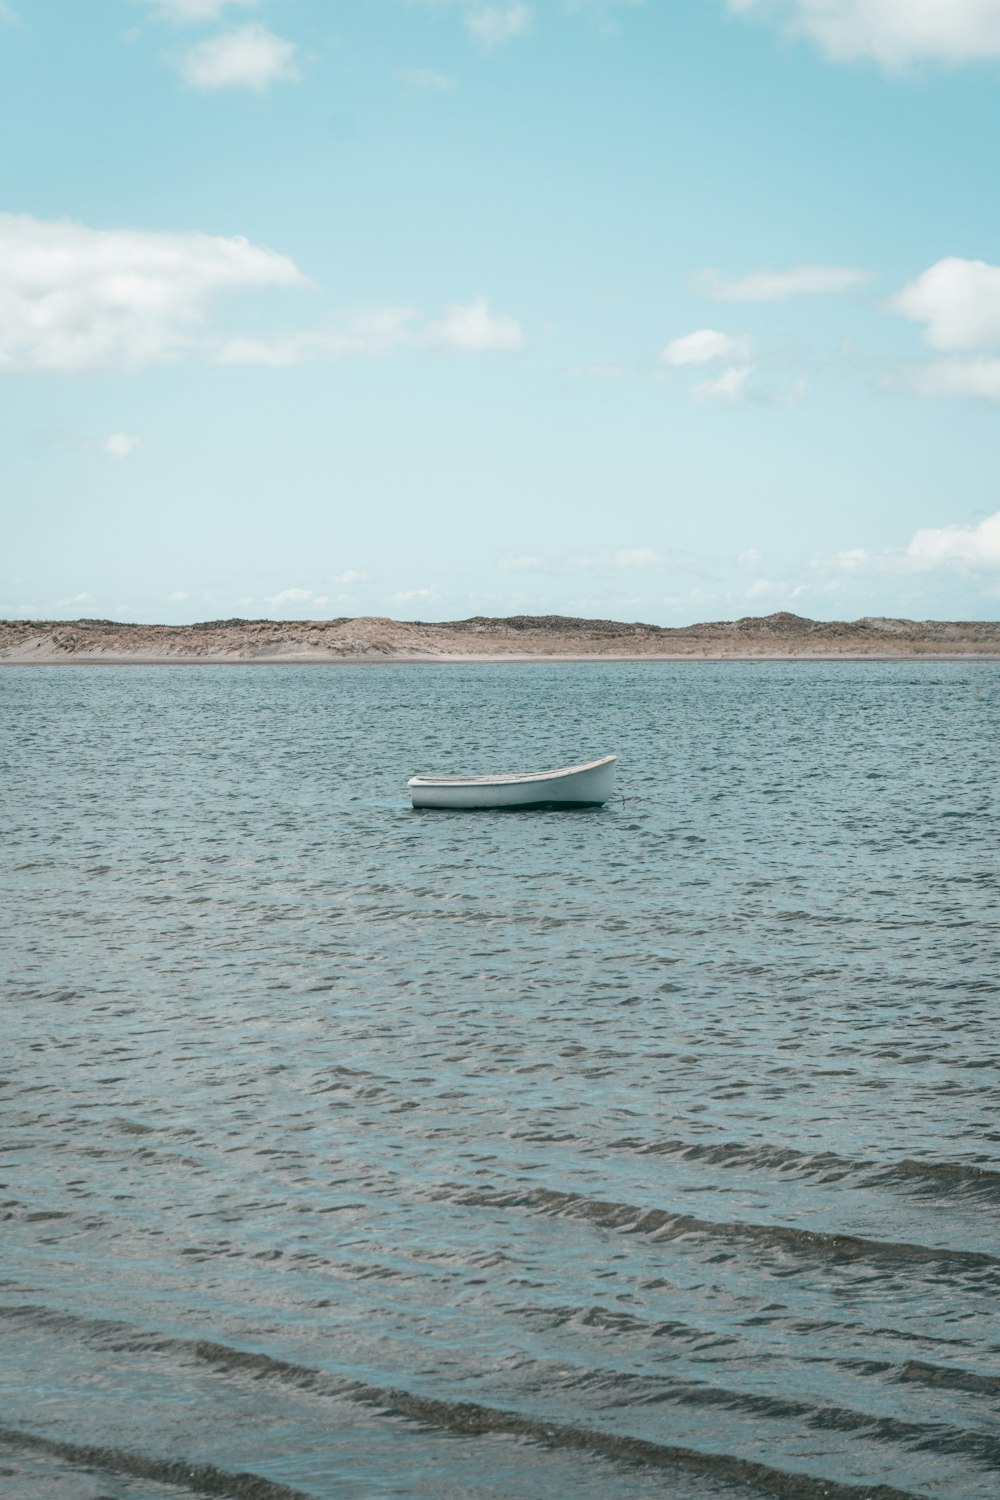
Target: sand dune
526, 637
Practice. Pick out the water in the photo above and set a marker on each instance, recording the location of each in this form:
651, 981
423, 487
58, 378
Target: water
357, 1152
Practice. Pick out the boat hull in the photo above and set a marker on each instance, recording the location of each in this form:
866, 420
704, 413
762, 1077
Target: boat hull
573, 786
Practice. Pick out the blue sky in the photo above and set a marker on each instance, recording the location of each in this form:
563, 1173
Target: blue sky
675, 310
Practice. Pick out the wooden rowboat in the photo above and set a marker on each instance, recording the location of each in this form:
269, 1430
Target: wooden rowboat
572, 786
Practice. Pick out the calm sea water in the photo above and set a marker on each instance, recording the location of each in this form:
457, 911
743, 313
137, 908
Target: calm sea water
652, 1150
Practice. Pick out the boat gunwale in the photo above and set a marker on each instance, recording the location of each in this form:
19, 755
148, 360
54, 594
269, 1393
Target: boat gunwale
514, 779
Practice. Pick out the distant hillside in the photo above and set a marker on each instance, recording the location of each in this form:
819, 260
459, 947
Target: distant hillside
371, 638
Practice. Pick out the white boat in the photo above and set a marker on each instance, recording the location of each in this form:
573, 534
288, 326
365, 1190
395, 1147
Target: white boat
582, 786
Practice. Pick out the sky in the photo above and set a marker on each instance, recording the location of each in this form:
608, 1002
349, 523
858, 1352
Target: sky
668, 311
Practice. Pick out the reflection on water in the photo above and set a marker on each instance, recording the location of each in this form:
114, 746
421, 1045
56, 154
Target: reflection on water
378, 1152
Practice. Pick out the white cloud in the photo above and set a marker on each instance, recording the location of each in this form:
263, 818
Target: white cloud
493, 26
643, 558
750, 557
74, 599
759, 588
763, 588
527, 563
729, 386
704, 346
965, 550
958, 300
853, 559
290, 596
370, 331
73, 298
469, 329
893, 32
413, 596
352, 575
425, 80
177, 597
375, 330
121, 444
710, 346
976, 546
776, 286
8, 15
278, 353
472, 328
247, 57
977, 378
193, 12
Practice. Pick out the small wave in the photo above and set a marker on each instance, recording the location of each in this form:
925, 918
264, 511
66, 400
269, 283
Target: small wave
199, 1479
614, 1321
130, 1127
959, 1174
472, 1419
950, 1379
827, 1165
666, 1225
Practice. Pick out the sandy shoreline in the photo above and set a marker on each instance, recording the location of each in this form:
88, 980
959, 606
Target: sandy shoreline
372, 641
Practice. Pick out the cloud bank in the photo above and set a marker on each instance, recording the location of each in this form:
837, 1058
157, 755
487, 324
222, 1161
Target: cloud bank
73, 298
975, 546
972, 549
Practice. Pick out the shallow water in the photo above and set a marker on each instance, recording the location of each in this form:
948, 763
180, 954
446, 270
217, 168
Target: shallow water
641, 1151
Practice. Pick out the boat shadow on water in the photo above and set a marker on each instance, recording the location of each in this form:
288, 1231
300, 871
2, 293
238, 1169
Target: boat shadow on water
524, 808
